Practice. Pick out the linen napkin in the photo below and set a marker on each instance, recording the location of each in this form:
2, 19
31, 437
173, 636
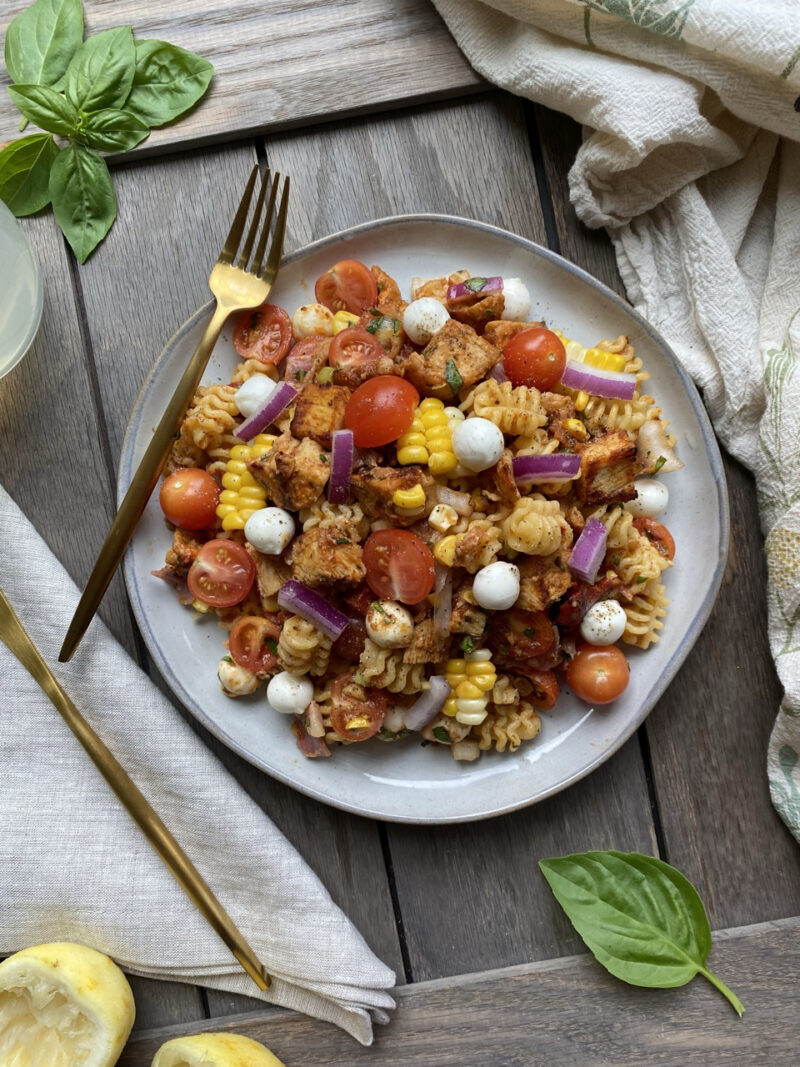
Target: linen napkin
75, 867
690, 159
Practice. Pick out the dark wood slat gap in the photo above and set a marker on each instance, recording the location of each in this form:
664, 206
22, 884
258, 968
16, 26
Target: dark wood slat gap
386, 848
542, 184
652, 793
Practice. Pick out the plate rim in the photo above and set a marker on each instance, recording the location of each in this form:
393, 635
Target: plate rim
670, 669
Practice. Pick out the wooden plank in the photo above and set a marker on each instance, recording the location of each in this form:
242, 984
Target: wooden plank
174, 213
458, 914
286, 62
708, 736
562, 1011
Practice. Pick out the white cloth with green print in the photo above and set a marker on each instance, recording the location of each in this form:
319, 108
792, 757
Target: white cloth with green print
691, 160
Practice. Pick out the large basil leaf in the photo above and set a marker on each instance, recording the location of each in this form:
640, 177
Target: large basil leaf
100, 73
112, 130
25, 173
638, 916
83, 198
41, 40
47, 108
167, 82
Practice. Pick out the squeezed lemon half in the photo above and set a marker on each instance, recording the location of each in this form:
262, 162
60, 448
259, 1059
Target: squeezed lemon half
214, 1050
63, 1005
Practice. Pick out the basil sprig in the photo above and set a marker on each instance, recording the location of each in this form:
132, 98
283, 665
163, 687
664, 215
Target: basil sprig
640, 917
103, 94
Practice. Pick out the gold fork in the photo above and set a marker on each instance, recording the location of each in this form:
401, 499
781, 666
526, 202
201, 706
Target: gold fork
16, 638
236, 288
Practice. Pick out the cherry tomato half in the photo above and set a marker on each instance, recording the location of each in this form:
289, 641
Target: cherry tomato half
658, 534
357, 713
305, 358
545, 689
347, 286
222, 574
264, 333
252, 642
189, 498
399, 566
535, 357
380, 410
598, 673
353, 348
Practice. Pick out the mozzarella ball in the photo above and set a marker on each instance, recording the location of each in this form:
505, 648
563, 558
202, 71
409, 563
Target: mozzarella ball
478, 444
289, 693
253, 394
517, 300
312, 320
496, 587
235, 680
389, 624
604, 623
270, 530
651, 498
423, 318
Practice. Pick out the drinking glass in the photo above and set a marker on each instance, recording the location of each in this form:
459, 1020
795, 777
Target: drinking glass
20, 292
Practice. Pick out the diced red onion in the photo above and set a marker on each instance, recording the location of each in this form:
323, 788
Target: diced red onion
442, 613
606, 383
342, 456
555, 467
429, 704
309, 605
588, 552
651, 446
461, 503
280, 397
498, 372
490, 285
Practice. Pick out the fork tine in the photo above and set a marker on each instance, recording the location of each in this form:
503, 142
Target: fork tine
237, 226
275, 252
255, 267
251, 233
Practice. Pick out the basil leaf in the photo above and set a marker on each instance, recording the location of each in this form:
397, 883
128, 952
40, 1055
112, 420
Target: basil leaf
100, 74
168, 81
441, 734
46, 108
640, 918
83, 198
452, 376
41, 40
475, 284
25, 173
112, 130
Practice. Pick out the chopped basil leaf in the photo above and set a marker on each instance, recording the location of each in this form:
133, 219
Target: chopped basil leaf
323, 458
467, 645
529, 631
441, 734
227, 659
380, 287
452, 376
272, 645
475, 284
659, 464
299, 375
640, 579
342, 540
376, 604
325, 376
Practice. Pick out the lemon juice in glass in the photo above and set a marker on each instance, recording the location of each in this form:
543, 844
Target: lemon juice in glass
20, 292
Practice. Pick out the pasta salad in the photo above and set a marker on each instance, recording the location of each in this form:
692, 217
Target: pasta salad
421, 516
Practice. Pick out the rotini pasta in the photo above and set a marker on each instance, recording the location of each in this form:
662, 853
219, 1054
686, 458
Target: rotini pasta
516, 411
384, 668
536, 526
645, 615
302, 648
507, 726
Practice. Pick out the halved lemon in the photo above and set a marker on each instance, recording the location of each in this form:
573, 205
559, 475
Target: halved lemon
63, 1005
214, 1050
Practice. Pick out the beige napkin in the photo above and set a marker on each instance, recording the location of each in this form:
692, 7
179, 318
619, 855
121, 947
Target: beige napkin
690, 159
74, 866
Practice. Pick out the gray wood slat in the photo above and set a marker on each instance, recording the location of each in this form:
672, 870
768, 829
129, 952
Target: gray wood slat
284, 62
174, 214
708, 736
470, 897
562, 1011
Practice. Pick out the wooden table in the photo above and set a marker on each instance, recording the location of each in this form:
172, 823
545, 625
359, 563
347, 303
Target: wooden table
373, 112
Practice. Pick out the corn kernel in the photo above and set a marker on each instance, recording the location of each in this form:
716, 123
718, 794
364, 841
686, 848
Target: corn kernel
442, 462
450, 707
581, 400
414, 454
443, 517
413, 440
431, 418
468, 691
576, 428
233, 521
343, 320
598, 357
232, 482
358, 722
455, 666
438, 441
409, 499
430, 403
445, 550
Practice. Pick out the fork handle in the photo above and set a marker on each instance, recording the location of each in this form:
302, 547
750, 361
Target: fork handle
142, 485
16, 638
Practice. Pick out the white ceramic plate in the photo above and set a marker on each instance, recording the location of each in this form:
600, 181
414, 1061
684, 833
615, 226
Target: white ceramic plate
404, 781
